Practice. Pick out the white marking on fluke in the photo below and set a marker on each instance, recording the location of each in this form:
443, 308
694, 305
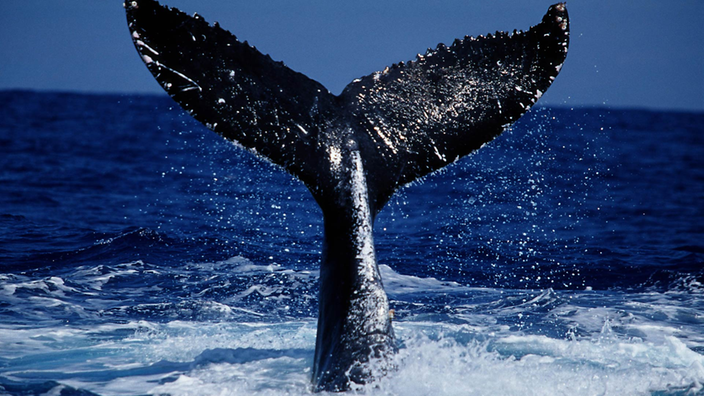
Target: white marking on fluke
195, 84
442, 157
142, 44
302, 129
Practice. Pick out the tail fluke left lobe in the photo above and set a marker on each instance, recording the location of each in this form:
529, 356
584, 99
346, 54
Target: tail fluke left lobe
231, 87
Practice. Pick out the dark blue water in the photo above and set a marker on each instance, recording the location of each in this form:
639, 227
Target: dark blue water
142, 254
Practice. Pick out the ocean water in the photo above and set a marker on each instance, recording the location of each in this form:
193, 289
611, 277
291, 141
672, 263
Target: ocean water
142, 254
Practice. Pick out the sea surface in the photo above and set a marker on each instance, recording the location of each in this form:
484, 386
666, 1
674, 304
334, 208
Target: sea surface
142, 254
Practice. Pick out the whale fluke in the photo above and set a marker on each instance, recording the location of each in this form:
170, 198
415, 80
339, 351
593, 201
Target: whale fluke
352, 150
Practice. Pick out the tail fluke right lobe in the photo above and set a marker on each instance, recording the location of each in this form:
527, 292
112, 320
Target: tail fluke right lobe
429, 112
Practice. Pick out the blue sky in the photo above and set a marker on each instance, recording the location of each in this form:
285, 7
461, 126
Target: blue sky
623, 53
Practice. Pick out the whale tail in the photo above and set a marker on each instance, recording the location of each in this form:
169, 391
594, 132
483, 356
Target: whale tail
354, 150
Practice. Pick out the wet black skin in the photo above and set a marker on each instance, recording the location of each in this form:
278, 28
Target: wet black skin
353, 150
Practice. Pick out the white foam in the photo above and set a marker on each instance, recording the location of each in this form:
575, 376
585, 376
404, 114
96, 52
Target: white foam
397, 284
197, 358
456, 339
541, 366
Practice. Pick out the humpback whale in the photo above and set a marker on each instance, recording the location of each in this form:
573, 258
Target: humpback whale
355, 149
